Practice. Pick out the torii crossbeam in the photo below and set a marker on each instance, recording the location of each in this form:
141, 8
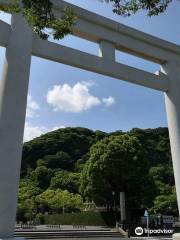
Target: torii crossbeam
21, 43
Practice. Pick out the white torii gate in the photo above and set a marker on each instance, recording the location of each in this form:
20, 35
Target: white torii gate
21, 43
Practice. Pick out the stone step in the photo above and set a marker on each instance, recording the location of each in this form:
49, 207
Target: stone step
67, 234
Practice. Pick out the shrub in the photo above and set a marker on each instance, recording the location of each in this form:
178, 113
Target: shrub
84, 218
40, 219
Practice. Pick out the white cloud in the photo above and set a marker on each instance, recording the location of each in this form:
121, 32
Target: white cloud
108, 101
72, 99
31, 132
32, 107
75, 99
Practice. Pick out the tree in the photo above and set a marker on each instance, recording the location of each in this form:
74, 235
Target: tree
28, 190
59, 201
25, 211
66, 181
129, 7
26, 200
162, 174
116, 163
165, 201
64, 201
41, 176
59, 160
44, 199
40, 16
156, 144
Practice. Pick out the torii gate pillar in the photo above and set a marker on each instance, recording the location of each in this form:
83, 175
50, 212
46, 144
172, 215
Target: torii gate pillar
172, 102
13, 99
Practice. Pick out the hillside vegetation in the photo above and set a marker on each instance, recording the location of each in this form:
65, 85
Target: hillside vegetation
67, 169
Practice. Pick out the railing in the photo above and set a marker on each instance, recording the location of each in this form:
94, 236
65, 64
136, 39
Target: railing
79, 226
54, 226
25, 226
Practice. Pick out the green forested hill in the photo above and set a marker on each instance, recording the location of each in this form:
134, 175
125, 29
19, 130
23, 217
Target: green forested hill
66, 168
75, 142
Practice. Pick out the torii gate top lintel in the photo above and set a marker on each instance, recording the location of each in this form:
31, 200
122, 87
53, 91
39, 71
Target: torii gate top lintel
95, 21
21, 43
110, 35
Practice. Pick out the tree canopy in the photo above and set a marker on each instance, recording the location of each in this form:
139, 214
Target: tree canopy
39, 15
129, 7
116, 164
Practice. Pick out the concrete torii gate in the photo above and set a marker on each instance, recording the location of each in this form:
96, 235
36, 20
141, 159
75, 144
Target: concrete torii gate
21, 43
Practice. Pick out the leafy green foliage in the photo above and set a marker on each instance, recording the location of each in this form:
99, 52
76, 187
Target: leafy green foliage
45, 198
155, 143
59, 201
26, 200
59, 160
116, 164
166, 203
73, 141
40, 17
41, 176
165, 200
40, 218
66, 181
127, 8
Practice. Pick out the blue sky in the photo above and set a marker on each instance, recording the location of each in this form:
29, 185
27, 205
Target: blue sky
62, 96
